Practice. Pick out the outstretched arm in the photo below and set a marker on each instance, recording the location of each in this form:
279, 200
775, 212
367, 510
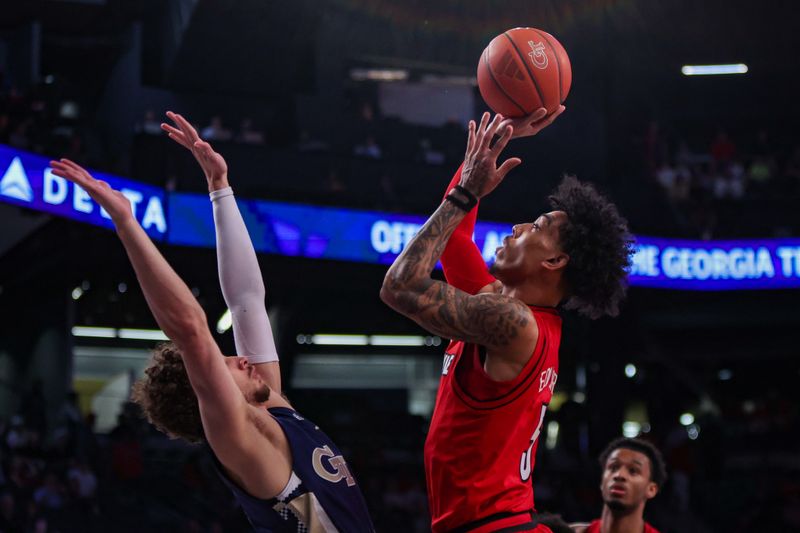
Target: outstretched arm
239, 273
222, 405
462, 261
223, 408
502, 324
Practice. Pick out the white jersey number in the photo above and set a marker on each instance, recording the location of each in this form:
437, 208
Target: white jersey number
525, 461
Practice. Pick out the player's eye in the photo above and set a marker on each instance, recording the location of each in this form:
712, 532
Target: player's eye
535, 226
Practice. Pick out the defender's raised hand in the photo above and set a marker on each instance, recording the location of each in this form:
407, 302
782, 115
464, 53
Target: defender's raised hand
113, 201
532, 124
213, 164
480, 174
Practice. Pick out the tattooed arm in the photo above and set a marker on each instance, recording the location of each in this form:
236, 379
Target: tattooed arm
504, 325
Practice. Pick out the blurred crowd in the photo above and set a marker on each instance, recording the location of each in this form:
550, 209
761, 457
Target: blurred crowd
712, 185
717, 184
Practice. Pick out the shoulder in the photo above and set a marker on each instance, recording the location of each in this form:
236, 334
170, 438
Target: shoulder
512, 326
255, 454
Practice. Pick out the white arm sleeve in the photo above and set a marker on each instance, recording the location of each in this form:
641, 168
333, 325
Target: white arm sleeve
241, 282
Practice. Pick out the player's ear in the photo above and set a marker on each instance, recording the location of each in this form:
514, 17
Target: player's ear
651, 491
556, 262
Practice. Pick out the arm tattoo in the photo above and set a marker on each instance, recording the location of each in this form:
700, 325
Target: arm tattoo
488, 319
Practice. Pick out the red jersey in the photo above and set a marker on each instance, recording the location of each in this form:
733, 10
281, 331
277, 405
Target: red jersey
594, 527
482, 443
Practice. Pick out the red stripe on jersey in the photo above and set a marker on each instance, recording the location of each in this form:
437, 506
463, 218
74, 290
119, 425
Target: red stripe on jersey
482, 442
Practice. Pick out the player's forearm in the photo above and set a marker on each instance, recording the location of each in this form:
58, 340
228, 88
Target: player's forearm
241, 281
174, 307
410, 272
239, 273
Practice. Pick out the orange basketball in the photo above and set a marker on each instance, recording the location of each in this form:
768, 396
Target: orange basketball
522, 70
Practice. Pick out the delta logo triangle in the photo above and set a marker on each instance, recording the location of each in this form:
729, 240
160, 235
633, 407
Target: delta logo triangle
15, 184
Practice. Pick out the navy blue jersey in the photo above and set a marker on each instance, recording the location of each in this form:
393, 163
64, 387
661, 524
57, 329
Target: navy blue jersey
321, 495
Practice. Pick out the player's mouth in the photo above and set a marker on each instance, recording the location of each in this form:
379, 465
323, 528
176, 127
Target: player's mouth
618, 490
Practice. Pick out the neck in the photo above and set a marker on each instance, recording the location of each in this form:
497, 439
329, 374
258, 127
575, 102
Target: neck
540, 294
622, 521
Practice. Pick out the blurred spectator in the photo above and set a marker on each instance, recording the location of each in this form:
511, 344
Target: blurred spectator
307, 143
760, 172
149, 125
215, 131
249, 135
19, 136
793, 166
82, 481
334, 183
368, 149
666, 176
762, 145
51, 494
722, 149
429, 155
11, 520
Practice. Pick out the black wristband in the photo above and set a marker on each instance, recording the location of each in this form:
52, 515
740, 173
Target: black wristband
467, 205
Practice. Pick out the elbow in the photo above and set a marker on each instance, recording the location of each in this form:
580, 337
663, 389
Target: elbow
188, 328
388, 293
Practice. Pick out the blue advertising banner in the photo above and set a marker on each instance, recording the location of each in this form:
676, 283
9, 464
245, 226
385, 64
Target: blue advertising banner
716, 265
27, 180
376, 237
316, 232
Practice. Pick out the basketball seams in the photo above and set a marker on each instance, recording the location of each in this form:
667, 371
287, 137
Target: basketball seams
543, 35
496, 83
528, 70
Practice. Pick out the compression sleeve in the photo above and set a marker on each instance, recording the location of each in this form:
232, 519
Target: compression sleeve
462, 262
241, 282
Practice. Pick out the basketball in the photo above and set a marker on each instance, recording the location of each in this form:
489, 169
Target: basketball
522, 70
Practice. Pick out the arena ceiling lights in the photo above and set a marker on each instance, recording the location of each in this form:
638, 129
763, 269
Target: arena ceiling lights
711, 70
119, 333
335, 339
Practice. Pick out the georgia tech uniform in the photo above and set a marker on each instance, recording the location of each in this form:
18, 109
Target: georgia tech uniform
322, 495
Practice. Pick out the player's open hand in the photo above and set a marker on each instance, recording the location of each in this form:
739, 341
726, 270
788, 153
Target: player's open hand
113, 201
481, 174
213, 164
533, 123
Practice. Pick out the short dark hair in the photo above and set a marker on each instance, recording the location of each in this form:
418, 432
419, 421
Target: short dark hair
166, 396
599, 245
658, 469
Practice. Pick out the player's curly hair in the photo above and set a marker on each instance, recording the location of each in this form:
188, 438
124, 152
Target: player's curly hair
166, 396
658, 468
596, 238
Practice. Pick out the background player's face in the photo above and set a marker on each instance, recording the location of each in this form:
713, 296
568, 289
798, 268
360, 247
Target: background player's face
254, 389
526, 251
626, 481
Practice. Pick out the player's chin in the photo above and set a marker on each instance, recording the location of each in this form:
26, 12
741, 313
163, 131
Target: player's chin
617, 503
261, 394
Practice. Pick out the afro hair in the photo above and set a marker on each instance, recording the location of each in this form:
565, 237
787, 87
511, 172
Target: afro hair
599, 246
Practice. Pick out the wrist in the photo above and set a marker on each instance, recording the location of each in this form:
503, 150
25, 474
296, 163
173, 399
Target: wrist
218, 182
462, 198
125, 223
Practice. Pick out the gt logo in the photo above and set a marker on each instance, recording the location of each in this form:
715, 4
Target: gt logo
448, 360
340, 470
537, 55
